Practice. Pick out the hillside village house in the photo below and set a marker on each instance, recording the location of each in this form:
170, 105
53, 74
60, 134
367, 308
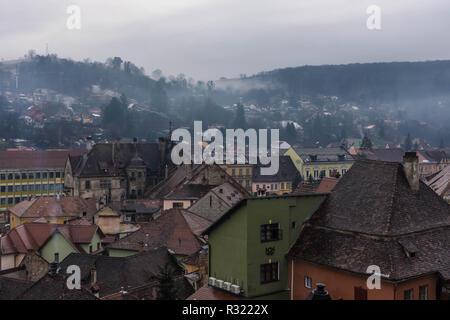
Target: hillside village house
57, 210
379, 214
316, 163
53, 242
109, 222
31, 173
118, 171
248, 244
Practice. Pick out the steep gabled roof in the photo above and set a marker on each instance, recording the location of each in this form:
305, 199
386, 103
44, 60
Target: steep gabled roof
34, 235
373, 217
374, 197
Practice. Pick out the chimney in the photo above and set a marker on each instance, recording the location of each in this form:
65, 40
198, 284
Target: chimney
319, 293
166, 172
411, 169
93, 276
89, 143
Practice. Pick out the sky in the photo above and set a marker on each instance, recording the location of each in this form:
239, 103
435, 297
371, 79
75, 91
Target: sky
207, 40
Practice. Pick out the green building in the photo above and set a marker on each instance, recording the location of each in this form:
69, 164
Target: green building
249, 243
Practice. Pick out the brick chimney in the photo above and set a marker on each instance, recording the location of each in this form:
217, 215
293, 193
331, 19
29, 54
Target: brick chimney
411, 169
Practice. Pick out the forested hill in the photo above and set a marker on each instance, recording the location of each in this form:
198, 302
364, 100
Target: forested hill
369, 82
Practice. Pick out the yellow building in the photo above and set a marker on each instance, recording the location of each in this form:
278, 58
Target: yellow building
53, 210
316, 163
27, 174
242, 173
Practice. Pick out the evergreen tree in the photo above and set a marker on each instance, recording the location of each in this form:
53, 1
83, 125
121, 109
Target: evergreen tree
166, 284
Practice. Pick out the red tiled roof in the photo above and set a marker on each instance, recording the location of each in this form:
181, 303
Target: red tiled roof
170, 230
52, 207
327, 185
33, 235
34, 159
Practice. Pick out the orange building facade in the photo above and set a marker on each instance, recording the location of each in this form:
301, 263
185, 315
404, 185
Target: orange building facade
342, 285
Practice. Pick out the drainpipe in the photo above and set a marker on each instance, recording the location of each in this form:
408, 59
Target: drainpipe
292, 279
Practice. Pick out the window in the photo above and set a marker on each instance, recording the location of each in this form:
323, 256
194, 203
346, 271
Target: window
288, 186
38, 175
360, 293
257, 187
247, 183
87, 184
270, 232
423, 292
98, 245
294, 224
31, 176
308, 282
56, 257
3, 201
2, 176
10, 188
90, 248
17, 176
58, 175
316, 173
3, 189
51, 175
308, 173
330, 172
344, 170
276, 186
269, 272
24, 176
177, 205
408, 294
282, 185
10, 176
247, 171
140, 174
233, 172
105, 184
240, 172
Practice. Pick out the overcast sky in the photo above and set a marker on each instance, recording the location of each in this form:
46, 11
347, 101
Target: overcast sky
210, 39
